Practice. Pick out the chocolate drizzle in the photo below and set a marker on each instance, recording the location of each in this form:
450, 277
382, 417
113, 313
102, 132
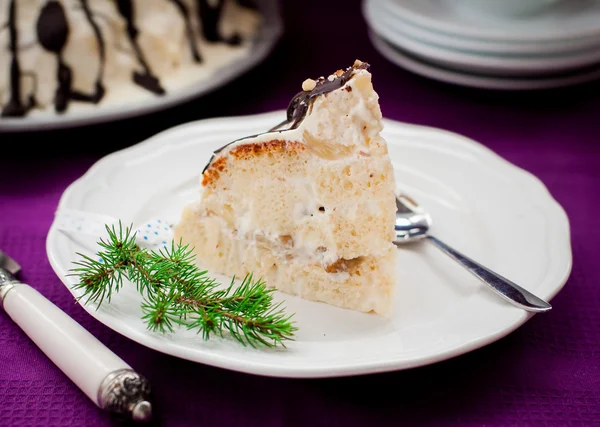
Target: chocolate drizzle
300, 103
101, 49
52, 31
210, 17
188, 29
144, 79
250, 4
15, 107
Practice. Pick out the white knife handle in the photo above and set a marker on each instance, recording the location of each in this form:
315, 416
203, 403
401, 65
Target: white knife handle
104, 377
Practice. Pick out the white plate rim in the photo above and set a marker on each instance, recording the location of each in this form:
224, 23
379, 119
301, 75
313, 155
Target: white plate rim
264, 42
348, 369
505, 65
473, 80
475, 45
400, 10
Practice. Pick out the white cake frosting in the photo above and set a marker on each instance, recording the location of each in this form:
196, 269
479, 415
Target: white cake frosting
169, 36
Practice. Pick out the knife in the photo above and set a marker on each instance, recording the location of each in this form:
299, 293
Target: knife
104, 377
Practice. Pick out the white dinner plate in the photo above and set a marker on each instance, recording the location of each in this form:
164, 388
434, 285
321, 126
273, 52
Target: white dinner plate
567, 20
378, 12
476, 62
484, 206
142, 102
448, 75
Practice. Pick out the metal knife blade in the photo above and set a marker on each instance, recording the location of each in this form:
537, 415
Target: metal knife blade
9, 264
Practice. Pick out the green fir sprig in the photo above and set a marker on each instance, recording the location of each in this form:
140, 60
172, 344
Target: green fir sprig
177, 292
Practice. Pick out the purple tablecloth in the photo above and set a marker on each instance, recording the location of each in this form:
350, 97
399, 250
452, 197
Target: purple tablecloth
545, 373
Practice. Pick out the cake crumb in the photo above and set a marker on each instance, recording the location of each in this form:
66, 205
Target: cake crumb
308, 85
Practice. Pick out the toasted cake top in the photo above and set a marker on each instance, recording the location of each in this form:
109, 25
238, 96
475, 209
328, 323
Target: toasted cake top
340, 124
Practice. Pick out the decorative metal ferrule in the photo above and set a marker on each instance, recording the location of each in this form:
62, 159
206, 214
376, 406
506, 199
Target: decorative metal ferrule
126, 392
7, 282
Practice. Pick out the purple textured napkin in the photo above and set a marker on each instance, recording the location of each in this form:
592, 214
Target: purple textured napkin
545, 373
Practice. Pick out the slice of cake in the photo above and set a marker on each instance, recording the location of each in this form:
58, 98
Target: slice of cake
310, 209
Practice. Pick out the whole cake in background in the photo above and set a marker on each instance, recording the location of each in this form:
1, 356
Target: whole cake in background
55, 54
310, 209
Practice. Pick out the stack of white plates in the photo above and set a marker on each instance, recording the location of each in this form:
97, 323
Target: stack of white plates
441, 39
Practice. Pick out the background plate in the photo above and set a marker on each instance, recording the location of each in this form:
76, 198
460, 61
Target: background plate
481, 204
424, 68
475, 44
567, 20
266, 38
508, 65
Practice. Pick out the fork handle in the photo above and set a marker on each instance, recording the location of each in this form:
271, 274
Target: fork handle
507, 289
103, 376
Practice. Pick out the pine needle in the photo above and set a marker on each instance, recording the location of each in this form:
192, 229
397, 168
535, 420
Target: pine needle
176, 292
